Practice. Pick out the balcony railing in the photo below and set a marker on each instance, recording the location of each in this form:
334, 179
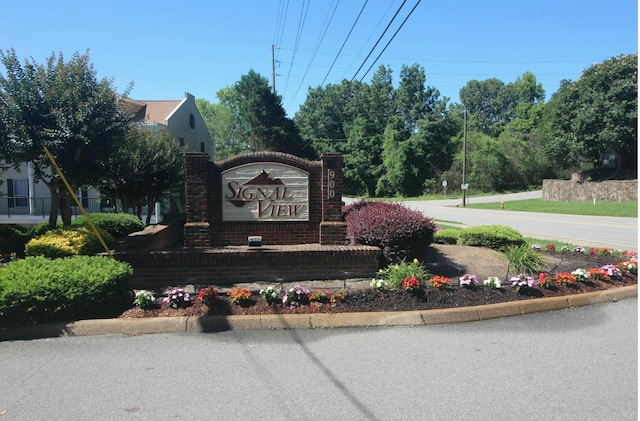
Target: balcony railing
40, 206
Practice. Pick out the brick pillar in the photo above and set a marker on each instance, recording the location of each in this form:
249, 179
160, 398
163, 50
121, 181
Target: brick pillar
196, 228
332, 229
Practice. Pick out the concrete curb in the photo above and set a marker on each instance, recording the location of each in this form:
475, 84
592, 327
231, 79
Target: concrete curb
315, 320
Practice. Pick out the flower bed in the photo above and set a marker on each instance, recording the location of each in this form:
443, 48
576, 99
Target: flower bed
597, 271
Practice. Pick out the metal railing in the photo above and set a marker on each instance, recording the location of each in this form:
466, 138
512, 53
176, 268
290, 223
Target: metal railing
40, 206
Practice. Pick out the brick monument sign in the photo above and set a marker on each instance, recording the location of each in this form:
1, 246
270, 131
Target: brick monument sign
294, 206
281, 198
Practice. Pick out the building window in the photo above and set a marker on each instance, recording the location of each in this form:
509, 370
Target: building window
83, 196
18, 193
181, 140
201, 146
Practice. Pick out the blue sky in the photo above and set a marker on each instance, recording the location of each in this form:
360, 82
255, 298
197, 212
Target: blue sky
168, 48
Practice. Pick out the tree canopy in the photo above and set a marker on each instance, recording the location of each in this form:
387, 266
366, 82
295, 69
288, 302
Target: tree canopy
595, 115
63, 106
146, 167
259, 119
393, 139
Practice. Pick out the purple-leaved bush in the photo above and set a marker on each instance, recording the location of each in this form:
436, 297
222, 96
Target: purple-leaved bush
401, 233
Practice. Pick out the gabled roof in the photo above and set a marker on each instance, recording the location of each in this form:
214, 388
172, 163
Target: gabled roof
153, 111
159, 111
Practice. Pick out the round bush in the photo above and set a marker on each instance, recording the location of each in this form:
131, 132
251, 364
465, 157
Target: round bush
37, 289
67, 242
401, 233
116, 224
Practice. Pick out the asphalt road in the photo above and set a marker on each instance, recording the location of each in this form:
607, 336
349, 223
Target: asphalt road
586, 231
577, 364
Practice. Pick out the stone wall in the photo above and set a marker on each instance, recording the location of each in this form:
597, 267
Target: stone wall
583, 191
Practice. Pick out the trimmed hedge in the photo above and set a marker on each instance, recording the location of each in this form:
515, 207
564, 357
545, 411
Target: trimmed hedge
494, 237
37, 289
116, 224
447, 236
401, 233
67, 242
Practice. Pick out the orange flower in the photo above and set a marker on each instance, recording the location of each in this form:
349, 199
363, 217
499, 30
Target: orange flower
598, 274
239, 295
439, 281
565, 278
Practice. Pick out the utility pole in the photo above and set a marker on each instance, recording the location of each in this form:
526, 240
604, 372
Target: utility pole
464, 162
273, 68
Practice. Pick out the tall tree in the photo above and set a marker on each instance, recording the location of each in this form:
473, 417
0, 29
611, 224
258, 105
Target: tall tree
64, 107
417, 144
147, 169
325, 116
219, 119
259, 118
490, 104
529, 103
595, 115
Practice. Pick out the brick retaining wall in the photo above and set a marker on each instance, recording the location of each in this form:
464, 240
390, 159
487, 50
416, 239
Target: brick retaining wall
228, 265
576, 190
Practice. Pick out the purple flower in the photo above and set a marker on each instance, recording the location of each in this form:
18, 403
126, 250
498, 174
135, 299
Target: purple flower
468, 279
612, 271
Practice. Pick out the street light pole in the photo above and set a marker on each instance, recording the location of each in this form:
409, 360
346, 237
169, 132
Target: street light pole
464, 162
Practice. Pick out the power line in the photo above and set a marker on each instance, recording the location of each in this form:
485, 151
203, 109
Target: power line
345, 41
379, 39
318, 43
394, 35
303, 17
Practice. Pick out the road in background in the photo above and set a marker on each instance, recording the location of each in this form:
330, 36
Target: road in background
586, 231
575, 364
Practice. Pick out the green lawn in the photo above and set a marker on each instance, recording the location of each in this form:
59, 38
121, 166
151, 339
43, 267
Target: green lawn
627, 208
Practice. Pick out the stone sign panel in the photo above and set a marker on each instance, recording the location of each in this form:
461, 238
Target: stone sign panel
265, 192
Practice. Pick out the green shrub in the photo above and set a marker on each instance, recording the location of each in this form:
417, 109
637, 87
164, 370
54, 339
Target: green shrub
447, 236
67, 242
494, 237
41, 229
116, 224
37, 289
13, 239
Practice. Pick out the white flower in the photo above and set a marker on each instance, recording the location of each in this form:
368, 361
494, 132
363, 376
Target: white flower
378, 283
492, 282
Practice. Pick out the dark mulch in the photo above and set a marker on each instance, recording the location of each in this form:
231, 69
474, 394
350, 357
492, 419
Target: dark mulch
366, 299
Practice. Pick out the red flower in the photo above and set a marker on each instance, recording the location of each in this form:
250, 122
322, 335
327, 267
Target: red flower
410, 283
208, 295
550, 247
543, 280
